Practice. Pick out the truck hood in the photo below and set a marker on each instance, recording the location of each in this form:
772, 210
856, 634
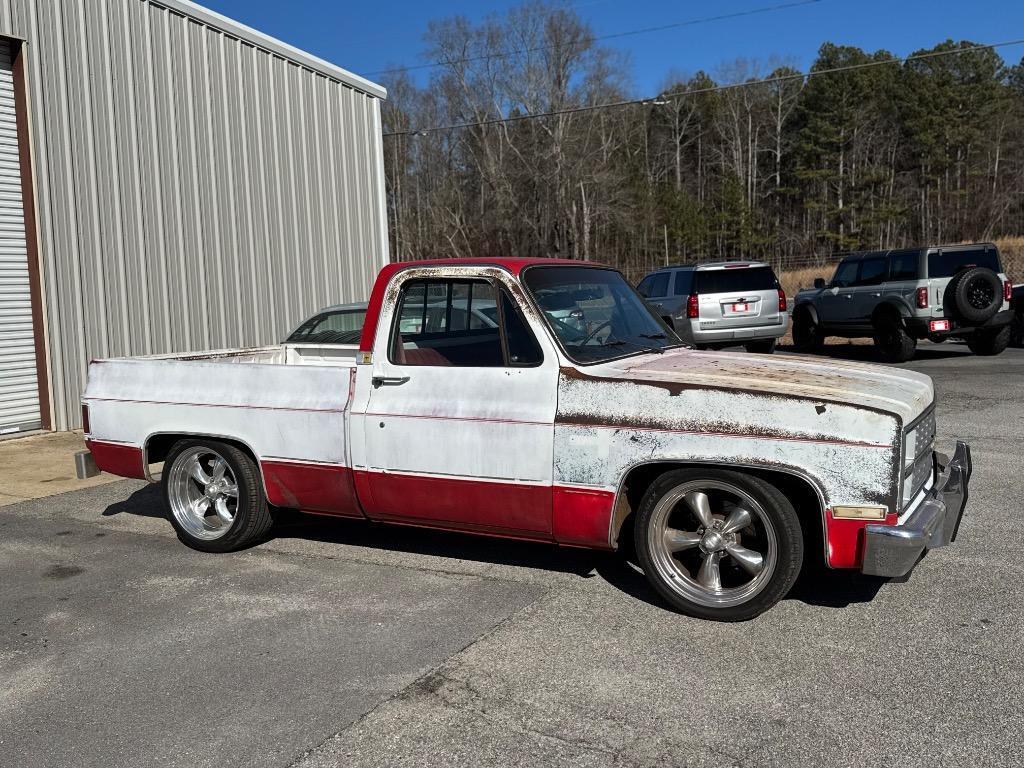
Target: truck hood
903, 393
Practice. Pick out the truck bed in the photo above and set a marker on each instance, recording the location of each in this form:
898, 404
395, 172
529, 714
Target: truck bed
284, 402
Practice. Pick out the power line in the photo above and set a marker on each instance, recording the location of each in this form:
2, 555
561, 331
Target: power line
710, 89
612, 36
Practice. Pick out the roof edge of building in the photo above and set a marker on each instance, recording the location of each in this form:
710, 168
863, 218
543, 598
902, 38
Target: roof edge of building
272, 44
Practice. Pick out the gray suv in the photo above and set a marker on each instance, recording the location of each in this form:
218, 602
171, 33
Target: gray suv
727, 303
899, 297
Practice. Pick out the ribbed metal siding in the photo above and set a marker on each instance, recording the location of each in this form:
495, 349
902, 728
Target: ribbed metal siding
19, 389
194, 191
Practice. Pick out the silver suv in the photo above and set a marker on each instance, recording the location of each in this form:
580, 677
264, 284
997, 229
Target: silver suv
898, 297
723, 304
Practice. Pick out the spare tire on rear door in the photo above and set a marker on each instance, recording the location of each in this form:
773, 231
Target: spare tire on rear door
974, 295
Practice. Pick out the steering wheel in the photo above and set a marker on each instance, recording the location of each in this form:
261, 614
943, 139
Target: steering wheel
593, 333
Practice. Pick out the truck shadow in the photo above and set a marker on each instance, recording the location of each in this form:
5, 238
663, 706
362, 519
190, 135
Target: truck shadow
816, 586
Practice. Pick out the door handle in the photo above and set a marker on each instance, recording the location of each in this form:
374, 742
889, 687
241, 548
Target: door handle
388, 381
876, 295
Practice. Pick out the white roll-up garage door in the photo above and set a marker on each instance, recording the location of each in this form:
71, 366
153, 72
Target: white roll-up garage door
19, 389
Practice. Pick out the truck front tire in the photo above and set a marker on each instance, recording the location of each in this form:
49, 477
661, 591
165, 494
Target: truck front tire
214, 496
718, 544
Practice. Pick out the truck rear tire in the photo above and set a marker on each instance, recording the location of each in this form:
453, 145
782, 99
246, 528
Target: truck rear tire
718, 544
807, 335
214, 496
893, 342
989, 343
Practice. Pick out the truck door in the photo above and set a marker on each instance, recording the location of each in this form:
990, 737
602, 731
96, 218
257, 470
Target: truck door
459, 421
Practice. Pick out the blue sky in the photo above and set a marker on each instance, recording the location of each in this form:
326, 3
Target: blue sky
366, 36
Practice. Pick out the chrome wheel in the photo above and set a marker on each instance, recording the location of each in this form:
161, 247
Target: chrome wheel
712, 543
203, 493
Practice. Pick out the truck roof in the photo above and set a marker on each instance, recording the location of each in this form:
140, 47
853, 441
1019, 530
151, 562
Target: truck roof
515, 265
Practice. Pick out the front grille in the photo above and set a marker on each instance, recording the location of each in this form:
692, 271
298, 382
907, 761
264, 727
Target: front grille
918, 444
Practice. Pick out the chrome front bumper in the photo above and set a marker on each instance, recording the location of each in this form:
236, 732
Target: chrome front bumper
893, 550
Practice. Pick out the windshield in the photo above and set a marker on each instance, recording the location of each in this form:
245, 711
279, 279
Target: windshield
596, 314
339, 327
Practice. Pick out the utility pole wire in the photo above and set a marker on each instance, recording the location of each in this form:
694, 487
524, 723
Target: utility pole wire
589, 40
710, 89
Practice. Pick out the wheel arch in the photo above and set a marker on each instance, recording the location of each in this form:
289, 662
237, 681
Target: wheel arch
158, 445
890, 307
803, 491
806, 305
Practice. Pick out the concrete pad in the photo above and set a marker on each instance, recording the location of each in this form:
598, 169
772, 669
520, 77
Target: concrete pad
119, 649
42, 465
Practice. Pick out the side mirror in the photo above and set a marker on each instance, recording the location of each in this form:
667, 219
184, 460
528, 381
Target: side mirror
819, 283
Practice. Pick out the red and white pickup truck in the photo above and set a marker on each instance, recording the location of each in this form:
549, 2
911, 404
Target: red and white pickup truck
543, 400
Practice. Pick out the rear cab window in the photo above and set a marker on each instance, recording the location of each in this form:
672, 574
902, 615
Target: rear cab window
735, 279
944, 263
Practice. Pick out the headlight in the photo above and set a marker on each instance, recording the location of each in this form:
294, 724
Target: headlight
918, 444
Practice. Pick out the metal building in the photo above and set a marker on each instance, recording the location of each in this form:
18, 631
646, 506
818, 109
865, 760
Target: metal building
170, 180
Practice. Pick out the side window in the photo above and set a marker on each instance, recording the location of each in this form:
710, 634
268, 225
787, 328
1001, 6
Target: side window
904, 265
872, 271
659, 285
520, 342
684, 281
447, 323
846, 274
654, 286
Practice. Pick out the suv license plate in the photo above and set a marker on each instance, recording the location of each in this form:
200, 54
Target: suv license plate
740, 307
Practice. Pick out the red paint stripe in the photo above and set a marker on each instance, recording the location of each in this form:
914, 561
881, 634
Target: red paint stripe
474, 504
117, 458
218, 405
328, 489
581, 516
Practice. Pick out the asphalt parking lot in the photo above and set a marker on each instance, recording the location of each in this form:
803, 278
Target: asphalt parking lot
345, 644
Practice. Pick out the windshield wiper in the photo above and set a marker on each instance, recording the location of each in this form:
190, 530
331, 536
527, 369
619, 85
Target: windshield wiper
653, 336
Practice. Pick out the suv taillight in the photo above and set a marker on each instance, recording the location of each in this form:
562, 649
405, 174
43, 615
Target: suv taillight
85, 419
1007, 290
782, 300
922, 298
692, 309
